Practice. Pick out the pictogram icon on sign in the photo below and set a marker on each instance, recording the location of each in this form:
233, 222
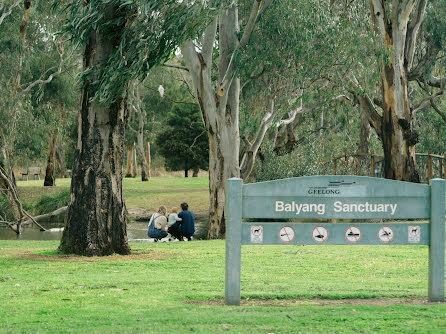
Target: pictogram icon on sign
385, 234
256, 234
320, 234
353, 234
414, 234
286, 233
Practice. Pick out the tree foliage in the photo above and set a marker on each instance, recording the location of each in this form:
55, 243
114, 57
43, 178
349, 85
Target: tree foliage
153, 30
184, 143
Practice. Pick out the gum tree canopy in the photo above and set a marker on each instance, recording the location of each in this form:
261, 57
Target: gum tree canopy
184, 143
122, 40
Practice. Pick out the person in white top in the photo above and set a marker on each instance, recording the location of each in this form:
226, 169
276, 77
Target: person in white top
173, 217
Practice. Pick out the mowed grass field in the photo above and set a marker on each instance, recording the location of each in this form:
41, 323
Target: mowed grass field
169, 191
179, 288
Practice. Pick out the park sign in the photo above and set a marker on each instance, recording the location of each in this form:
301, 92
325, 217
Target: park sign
333, 197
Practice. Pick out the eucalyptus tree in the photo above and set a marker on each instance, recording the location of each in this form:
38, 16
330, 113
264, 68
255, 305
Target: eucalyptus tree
122, 40
410, 48
283, 51
29, 45
220, 108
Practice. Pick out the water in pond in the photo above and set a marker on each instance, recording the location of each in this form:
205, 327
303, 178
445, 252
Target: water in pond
136, 231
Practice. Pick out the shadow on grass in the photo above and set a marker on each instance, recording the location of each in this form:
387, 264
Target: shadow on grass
56, 255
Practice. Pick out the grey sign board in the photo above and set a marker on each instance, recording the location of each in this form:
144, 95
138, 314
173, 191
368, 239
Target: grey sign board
325, 197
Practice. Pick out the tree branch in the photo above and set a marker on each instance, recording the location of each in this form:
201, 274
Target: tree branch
378, 15
176, 66
254, 77
47, 216
253, 15
265, 6
437, 82
9, 11
432, 51
52, 75
248, 160
439, 112
207, 44
375, 119
22, 211
196, 138
251, 22
427, 101
412, 32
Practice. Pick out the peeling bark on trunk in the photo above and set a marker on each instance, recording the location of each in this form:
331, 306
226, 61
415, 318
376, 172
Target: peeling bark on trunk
50, 174
220, 110
397, 132
96, 221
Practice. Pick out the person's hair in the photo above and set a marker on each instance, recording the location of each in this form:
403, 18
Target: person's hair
174, 209
162, 209
184, 206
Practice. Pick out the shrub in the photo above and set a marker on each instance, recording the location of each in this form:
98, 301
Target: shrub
303, 161
49, 203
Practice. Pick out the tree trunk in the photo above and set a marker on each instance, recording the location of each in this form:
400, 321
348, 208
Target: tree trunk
195, 172
142, 156
134, 163
96, 221
50, 174
148, 159
129, 169
398, 134
220, 110
186, 173
396, 129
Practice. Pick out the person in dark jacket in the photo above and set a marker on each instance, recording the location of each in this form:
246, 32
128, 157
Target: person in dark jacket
185, 227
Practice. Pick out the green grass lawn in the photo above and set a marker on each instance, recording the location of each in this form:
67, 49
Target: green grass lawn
179, 287
169, 191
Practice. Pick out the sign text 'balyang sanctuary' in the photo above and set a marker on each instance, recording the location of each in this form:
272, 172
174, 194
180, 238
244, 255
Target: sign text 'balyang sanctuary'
337, 206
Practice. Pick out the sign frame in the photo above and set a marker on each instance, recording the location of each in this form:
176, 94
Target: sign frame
319, 197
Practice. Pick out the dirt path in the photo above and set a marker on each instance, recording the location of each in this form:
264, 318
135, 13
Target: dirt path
318, 302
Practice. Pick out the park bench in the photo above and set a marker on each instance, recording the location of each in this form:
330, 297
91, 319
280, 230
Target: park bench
34, 171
